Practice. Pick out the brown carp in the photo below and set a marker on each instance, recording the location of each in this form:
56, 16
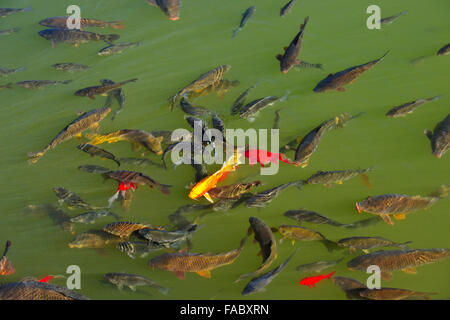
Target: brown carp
440, 137
101, 90
74, 36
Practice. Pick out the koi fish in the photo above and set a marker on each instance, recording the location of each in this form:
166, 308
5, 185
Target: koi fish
6, 267
311, 281
206, 184
46, 279
264, 157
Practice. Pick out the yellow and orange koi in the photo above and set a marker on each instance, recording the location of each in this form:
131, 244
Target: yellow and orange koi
203, 186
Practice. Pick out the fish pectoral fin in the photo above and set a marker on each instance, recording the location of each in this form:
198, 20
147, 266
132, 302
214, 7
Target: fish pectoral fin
400, 216
387, 276
339, 182
340, 89
279, 57
132, 288
352, 250
179, 274
387, 219
204, 274
410, 270
208, 197
365, 251
293, 242
79, 136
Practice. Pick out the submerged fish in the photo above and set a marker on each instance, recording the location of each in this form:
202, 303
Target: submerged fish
6, 86
409, 107
397, 205
61, 22
305, 234
60, 218
221, 89
99, 152
207, 79
75, 128
252, 108
118, 47
94, 239
136, 137
263, 198
394, 294
317, 266
311, 282
6, 267
74, 36
39, 84
258, 284
138, 248
276, 121
117, 94
239, 102
7, 11
302, 215
338, 80
366, 243
35, 290
201, 263
267, 243
71, 199
307, 65
290, 56
6, 72
391, 19
328, 177
245, 17
102, 90
94, 169
445, 50
195, 111
309, 144
405, 260
233, 191
287, 8
132, 281
264, 157
440, 137
170, 7
140, 162
139, 179
165, 237
70, 66
7, 32
92, 216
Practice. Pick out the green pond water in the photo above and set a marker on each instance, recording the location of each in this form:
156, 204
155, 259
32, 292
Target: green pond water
172, 55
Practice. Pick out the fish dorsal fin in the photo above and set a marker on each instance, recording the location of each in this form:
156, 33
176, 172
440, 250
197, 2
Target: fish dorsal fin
204, 274
330, 75
152, 3
208, 197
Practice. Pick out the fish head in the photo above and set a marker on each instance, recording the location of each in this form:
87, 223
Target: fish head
81, 93
319, 88
47, 33
438, 153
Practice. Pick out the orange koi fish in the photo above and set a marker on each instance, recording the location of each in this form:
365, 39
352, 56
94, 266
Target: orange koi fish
311, 281
203, 186
264, 157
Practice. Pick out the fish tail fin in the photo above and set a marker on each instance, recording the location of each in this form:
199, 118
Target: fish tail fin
66, 81
164, 291
111, 37
303, 25
330, 245
27, 9
127, 81
116, 24
403, 12
299, 184
20, 69
164, 188
286, 95
7, 246
404, 245
319, 66
35, 156
436, 98
442, 192
236, 31
383, 56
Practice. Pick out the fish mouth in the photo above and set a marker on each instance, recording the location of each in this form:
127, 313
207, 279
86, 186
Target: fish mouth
284, 71
174, 18
437, 155
358, 208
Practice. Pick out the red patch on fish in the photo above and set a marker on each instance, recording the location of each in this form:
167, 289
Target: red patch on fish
311, 281
6, 267
263, 157
124, 186
46, 279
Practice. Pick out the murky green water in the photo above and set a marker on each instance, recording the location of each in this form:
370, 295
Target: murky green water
175, 53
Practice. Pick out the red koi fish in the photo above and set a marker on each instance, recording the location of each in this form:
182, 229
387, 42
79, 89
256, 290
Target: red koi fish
264, 157
123, 187
6, 267
46, 279
311, 281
